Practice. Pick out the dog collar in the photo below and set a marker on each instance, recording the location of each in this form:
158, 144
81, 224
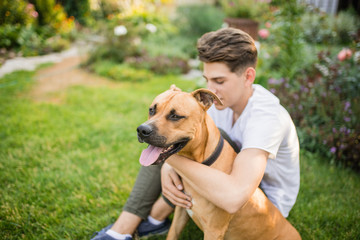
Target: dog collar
210, 160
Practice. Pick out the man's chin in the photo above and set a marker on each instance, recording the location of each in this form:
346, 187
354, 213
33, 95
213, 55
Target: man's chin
220, 107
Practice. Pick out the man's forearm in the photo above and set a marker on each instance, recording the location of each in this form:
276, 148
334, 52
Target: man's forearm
221, 189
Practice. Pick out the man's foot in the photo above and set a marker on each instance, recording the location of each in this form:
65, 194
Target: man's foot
101, 232
108, 237
147, 229
102, 235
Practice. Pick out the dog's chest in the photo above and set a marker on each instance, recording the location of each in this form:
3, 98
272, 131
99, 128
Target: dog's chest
201, 207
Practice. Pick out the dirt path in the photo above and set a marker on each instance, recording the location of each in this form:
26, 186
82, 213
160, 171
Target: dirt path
53, 80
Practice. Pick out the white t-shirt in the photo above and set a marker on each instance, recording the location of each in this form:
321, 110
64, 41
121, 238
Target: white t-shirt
265, 124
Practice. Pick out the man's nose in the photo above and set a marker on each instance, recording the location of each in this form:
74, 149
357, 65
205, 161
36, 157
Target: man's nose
211, 87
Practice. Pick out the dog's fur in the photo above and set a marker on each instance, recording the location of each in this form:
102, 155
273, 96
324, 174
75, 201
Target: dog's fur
258, 218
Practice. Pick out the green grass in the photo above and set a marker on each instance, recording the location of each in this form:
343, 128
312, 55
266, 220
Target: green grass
66, 169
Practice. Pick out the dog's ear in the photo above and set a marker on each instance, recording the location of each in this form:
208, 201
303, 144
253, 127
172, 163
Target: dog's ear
174, 88
206, 97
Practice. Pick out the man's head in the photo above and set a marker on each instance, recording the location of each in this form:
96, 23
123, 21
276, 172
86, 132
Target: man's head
229, 57
233, 47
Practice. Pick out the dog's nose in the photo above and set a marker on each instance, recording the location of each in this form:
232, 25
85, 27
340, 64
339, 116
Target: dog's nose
144, 130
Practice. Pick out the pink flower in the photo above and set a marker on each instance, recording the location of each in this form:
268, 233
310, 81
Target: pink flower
268, 24
264, 33
344, 54
29, 6
34, 14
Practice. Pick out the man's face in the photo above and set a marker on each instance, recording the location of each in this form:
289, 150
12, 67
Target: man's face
228, 86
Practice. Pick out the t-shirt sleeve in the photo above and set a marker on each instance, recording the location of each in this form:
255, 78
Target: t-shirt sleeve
265, 131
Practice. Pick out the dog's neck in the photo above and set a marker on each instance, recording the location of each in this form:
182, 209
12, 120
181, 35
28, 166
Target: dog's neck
205, 141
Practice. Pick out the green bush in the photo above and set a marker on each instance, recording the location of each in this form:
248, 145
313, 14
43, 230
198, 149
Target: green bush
160, 64
346, 26
319, 27
45, 9
120, 72
126, 33
17, 12
53, 15
80, 9
14, 16
30, 42
287, 55
33, 43
195, 20
324, 103
9, 34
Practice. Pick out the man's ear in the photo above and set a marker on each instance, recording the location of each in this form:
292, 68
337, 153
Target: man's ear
250, 74
206, 97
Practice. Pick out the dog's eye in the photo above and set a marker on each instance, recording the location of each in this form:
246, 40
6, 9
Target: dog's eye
152, 110
174, 117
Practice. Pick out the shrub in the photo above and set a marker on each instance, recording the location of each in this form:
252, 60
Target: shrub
160, 64
125, 34
14, 15
30, 42
79, 9
53, 15
120, 72
17, 12
195, 20
319, 27
107, 9
324, 103
288, 52
45, 9
346, 26
8, 35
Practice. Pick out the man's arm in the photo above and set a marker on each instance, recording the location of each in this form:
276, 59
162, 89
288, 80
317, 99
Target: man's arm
229, 192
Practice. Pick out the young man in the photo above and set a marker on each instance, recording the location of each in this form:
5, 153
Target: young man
254, 120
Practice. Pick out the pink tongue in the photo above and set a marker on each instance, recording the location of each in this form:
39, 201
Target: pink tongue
150, 155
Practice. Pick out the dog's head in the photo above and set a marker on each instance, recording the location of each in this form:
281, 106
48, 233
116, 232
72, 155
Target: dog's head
175, 118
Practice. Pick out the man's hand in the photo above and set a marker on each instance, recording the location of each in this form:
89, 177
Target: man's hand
172, 187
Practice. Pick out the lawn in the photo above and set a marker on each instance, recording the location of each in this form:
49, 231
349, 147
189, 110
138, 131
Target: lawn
66, 169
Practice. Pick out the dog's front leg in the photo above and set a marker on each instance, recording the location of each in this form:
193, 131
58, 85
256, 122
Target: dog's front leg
180, 219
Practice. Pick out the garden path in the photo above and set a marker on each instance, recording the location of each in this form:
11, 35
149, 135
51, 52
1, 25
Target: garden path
52, 81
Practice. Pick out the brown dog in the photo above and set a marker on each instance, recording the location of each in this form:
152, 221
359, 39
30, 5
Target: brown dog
178, 123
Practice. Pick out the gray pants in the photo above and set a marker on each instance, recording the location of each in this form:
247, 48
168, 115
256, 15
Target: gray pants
145, 192
147, 188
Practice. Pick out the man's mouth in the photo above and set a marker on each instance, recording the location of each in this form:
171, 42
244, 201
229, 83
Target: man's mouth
155, 155
218, 103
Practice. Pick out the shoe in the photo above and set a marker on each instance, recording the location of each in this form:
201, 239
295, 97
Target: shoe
101, 235
147, 229
108, 237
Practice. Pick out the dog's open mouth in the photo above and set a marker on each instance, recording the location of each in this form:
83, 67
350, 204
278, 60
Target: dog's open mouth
156, 155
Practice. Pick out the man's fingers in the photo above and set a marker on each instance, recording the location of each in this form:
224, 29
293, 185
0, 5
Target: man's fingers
176, 200
177, 181
172, 187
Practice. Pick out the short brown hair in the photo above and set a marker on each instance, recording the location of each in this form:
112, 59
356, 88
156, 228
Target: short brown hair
231, 46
